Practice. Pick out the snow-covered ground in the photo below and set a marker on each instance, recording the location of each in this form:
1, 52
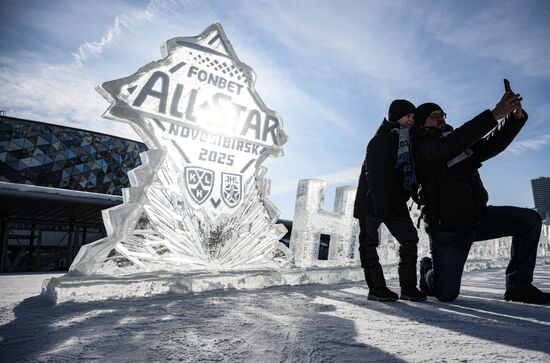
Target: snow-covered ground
315, 323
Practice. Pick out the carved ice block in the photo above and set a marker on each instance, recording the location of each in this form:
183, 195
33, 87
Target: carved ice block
310, 221
199, 200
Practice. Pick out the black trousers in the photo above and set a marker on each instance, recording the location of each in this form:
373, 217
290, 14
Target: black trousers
450, 249
402, 228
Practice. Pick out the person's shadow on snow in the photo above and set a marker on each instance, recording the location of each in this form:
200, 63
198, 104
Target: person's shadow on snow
476, 313
276, 324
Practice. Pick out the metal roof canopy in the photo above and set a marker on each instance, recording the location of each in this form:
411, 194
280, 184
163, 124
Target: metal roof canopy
36, 204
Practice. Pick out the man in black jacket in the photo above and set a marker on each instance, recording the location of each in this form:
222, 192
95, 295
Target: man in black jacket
454, 202
387, 176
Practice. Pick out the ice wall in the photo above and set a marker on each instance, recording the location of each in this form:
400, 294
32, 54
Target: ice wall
310, 221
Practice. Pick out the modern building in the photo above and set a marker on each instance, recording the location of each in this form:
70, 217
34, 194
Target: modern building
54, 183
541, 195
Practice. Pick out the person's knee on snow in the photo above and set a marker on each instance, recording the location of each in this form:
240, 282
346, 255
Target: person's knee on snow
447, 295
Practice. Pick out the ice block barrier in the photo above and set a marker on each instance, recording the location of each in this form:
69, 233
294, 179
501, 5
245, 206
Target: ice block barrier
87, 288
96, 288
310, 221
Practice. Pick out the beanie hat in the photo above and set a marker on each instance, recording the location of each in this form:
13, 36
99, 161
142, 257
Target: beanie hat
423, 111
398, 109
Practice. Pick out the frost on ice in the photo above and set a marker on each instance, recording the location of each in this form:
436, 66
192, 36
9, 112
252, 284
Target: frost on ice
199, 199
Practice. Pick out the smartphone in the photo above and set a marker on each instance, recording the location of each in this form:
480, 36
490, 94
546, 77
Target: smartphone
507, 85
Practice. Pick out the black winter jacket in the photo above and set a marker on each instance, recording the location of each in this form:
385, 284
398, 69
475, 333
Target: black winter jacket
451, 194
380, 193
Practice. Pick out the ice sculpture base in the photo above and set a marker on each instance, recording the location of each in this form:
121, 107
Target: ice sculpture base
95, 288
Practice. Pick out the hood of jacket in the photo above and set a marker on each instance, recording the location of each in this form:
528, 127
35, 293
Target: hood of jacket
387, 127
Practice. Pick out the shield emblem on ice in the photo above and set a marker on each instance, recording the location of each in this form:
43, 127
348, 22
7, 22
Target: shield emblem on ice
231, 189
199, 183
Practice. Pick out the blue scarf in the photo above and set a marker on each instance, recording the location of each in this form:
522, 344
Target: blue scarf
404, 158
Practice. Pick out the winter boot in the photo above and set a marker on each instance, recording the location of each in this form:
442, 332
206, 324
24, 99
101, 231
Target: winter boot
382, 294
412, 294
425, 266
529, 295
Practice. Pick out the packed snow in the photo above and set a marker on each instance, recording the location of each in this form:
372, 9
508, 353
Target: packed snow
308, 323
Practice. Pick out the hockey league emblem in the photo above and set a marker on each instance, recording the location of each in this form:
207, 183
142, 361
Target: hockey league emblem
231, 189
199, 183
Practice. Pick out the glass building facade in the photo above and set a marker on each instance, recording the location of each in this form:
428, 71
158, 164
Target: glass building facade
43, 167
48, 155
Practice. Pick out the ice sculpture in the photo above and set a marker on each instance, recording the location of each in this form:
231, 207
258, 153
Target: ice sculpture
310, 221
199, 199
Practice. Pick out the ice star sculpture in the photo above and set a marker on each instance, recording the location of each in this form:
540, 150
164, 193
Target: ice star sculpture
199, 199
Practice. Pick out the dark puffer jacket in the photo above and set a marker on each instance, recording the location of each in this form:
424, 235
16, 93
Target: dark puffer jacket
380, 192
451, 193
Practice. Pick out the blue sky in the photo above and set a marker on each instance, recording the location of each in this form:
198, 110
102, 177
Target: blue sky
330, 68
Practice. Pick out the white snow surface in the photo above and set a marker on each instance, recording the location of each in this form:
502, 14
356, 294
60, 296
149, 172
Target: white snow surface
307, 323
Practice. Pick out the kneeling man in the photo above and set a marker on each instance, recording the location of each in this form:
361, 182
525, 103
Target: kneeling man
454, 202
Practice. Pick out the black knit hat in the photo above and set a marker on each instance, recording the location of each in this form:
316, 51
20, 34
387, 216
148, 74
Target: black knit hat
400, 108
423, 111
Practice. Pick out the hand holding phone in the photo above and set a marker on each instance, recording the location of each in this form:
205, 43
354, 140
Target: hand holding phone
517, 111
507, 85
509, 103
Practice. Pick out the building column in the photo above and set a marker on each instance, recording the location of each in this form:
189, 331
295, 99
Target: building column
84, 230
31, 248
70, 245
3, 242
